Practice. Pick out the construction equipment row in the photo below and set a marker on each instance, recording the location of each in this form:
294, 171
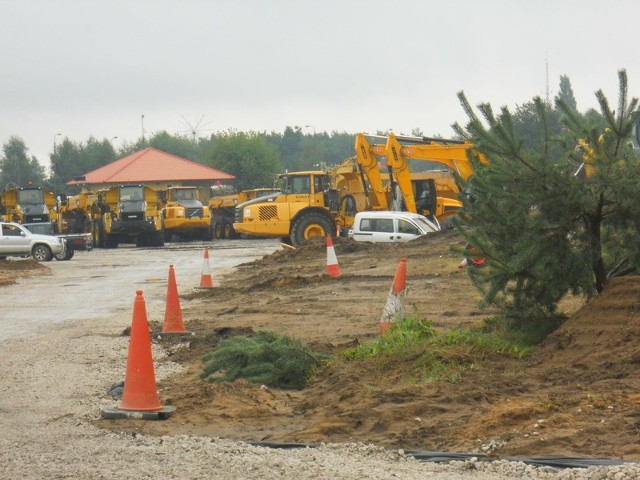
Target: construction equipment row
419, 179
119, 214
301, 205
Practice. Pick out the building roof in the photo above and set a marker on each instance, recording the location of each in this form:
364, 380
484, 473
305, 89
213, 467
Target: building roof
151, 165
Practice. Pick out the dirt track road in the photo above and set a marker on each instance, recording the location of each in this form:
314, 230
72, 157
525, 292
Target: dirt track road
102, 283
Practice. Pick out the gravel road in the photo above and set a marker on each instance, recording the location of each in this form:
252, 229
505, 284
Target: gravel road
61, 347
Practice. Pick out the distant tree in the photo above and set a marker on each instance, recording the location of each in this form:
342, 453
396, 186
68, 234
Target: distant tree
566, 93
71, 160
248, 156
545, 231
16, 167
179, 145
289, 144
526, 126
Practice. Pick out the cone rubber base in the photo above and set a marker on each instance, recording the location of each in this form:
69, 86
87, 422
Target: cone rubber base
118, 413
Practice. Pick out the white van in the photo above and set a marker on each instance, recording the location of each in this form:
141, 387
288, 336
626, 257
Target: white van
387, 226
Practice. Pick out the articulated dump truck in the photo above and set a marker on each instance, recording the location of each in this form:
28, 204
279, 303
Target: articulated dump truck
184, 215
27, 204
126, 214
222, 205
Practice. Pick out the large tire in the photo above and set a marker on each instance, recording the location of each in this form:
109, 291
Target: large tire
157, 239
67, 254
311, 225
218, 230
111, 241
98, 235
41, 253
228, 230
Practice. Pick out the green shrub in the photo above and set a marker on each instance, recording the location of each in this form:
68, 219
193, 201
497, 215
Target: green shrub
266, 358
403, 338
432, 356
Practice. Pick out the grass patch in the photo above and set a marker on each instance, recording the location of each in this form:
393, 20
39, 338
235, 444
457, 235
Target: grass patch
435, 356
265, 358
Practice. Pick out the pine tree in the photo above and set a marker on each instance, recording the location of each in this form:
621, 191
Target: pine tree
566, 93
545, 231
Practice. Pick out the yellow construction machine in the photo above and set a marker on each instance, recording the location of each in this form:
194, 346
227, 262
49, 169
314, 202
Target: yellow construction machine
126, 214
222, 205
423, 187
74, 212
184, 215
304, 206
27, 204
316, 203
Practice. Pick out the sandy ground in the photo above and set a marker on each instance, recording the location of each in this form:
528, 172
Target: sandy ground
577, 395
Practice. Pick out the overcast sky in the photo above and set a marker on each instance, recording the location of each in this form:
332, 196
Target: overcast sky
93, 68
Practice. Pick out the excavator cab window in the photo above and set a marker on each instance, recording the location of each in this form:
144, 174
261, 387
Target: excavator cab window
425, 195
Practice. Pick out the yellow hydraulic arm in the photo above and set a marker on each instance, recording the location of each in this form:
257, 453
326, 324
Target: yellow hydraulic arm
452, 155
369, 165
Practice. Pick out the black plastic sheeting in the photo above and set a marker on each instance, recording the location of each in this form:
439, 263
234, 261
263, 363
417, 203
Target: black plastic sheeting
424, 456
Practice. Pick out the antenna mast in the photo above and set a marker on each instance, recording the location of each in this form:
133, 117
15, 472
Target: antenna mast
546, 62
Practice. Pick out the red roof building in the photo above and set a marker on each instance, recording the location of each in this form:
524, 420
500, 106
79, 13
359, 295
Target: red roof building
154, 168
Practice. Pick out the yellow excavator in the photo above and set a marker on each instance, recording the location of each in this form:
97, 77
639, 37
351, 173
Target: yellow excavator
420, 175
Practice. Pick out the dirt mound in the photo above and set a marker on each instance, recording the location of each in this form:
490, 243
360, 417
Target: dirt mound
575, 395
12, 269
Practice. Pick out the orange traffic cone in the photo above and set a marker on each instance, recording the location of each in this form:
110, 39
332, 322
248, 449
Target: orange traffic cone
394, 309
140, 396
173, 314
333, 269
205, 279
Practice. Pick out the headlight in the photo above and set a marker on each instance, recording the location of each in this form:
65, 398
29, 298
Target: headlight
247, 213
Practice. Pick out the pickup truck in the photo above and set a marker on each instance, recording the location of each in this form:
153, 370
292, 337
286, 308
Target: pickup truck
17, 241
73, 241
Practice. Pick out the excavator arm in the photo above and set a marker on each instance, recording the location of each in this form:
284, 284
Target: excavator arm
397, 161
450, 153
368, 164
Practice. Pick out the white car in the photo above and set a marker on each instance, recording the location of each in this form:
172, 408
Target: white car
17, 241
388, 226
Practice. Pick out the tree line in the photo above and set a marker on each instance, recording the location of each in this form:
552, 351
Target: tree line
254, 158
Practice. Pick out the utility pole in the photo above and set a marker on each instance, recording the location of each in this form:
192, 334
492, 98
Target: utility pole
143, 128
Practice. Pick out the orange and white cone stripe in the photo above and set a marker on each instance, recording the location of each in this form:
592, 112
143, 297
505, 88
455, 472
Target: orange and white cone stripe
333, 269
205, 279
394, 308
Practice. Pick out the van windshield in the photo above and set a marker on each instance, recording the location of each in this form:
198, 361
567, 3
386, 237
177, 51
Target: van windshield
426, 225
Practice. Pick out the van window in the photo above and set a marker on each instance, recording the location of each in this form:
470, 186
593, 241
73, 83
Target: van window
376, 225
405, 226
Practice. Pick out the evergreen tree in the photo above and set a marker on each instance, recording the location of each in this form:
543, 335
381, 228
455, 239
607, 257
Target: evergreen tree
16, 167
566, 93
73, 159
544, 230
